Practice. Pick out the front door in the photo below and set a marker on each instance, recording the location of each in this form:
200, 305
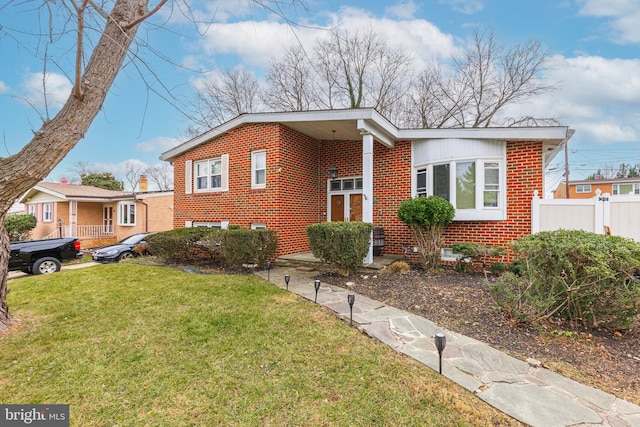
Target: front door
337, 207
346, 207
355, 207
107, 220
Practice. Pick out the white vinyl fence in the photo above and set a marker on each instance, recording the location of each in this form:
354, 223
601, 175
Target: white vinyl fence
617, 215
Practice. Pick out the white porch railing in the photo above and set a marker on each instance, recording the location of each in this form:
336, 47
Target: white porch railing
601, 214
94, 231
82, 232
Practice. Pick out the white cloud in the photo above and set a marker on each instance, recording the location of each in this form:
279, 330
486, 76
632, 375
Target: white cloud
254, 43
468, 7
624, 16
598, 97
3, 88
403, 10
158, 144
57, 87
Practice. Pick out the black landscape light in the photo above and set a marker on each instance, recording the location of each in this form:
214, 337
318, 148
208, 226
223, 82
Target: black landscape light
351, 299
286, 280
317, 285
269, 265
441, 342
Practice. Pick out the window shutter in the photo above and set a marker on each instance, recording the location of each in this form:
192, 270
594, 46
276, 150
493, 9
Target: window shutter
188, 177
188, 224
225, 172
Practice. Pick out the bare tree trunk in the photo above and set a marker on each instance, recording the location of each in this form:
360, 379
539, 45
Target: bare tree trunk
59, 135
5, 318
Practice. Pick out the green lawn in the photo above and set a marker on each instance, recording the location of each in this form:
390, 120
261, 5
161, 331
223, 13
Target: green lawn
134, 345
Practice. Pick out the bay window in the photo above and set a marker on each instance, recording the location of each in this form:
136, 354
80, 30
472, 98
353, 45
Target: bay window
474, 188
127, 213
470, 174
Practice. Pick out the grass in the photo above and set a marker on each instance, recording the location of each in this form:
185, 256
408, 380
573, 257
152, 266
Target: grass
129, 344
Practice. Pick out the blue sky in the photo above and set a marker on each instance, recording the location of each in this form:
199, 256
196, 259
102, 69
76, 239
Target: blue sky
594, 58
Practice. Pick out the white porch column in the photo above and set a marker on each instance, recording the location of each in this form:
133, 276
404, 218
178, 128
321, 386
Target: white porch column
367, 188
535, 213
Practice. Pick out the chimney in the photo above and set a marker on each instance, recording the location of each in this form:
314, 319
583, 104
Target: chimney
143, 184
64, 182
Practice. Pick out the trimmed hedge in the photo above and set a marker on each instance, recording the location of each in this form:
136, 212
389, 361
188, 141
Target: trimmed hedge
575, 274
198, 245
19, 226
427, 217
343, 245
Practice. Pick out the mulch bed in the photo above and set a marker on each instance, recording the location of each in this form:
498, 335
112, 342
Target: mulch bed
607, 360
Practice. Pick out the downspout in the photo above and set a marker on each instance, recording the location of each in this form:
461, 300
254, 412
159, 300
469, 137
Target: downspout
146, 212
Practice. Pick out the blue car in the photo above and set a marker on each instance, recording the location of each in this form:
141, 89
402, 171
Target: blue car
121, 250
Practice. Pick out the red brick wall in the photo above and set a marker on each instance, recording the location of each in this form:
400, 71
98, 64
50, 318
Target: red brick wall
288, 203
296, 190
524, 175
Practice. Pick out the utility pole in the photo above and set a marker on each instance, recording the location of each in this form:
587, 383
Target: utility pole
566, 167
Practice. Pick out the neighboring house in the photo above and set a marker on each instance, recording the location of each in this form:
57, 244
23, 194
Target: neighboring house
16, 208
271, 170
587, 188
94, 215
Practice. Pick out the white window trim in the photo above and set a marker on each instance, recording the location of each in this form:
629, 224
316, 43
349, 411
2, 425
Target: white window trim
47, 212
124, 211
447, 254
635, 188
583, 188
207, 224
193, 177
480, 212
254, 154
33, 209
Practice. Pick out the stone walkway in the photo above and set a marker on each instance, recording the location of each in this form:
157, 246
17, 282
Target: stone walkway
533, 395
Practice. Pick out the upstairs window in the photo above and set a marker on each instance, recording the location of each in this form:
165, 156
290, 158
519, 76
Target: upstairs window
208, 175
259, 169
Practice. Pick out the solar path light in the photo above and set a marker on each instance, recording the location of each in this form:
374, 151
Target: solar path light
269, 265
441, 342
286, 281
317, 285
351, 299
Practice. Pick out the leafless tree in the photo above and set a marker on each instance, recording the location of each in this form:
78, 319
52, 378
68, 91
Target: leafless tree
60, 134
483, 80
161, 175
133, 169
365, 68
236, 91
93, 72
289, 82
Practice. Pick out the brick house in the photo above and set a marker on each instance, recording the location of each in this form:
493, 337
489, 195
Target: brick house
272, 170
585, 189
94, 215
